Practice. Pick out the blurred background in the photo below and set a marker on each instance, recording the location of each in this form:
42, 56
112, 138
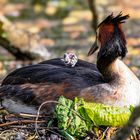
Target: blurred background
35, 30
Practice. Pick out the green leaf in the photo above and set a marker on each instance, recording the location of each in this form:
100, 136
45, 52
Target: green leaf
106, 115
67, 135
77, 117
69, 119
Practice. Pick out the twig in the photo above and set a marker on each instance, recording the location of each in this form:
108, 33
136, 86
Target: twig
38, 113
21, 121
24, 115
31, 115
29, 127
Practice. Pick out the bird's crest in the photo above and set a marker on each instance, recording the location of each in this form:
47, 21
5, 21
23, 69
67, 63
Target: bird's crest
109, 29
114, 20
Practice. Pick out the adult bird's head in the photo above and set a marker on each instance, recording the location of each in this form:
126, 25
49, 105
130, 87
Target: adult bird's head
110, 38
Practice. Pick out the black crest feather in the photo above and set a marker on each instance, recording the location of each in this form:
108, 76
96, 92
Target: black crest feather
115, 20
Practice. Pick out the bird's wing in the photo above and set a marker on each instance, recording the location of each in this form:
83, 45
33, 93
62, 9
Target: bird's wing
54, 71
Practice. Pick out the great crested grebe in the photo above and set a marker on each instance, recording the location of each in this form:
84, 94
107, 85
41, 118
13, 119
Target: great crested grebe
110, 83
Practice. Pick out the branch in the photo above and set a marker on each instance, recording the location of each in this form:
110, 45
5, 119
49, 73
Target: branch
16, 51
92, 7
20, 42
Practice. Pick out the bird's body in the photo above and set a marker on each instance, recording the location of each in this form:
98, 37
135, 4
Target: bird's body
111, 82
55, 71
32, 85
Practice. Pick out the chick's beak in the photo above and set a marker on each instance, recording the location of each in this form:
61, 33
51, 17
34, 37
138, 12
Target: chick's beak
93, 49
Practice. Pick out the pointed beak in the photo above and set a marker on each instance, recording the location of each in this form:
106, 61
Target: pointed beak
93, 49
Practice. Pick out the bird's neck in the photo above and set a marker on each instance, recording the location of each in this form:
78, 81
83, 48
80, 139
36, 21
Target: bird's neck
110, 70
